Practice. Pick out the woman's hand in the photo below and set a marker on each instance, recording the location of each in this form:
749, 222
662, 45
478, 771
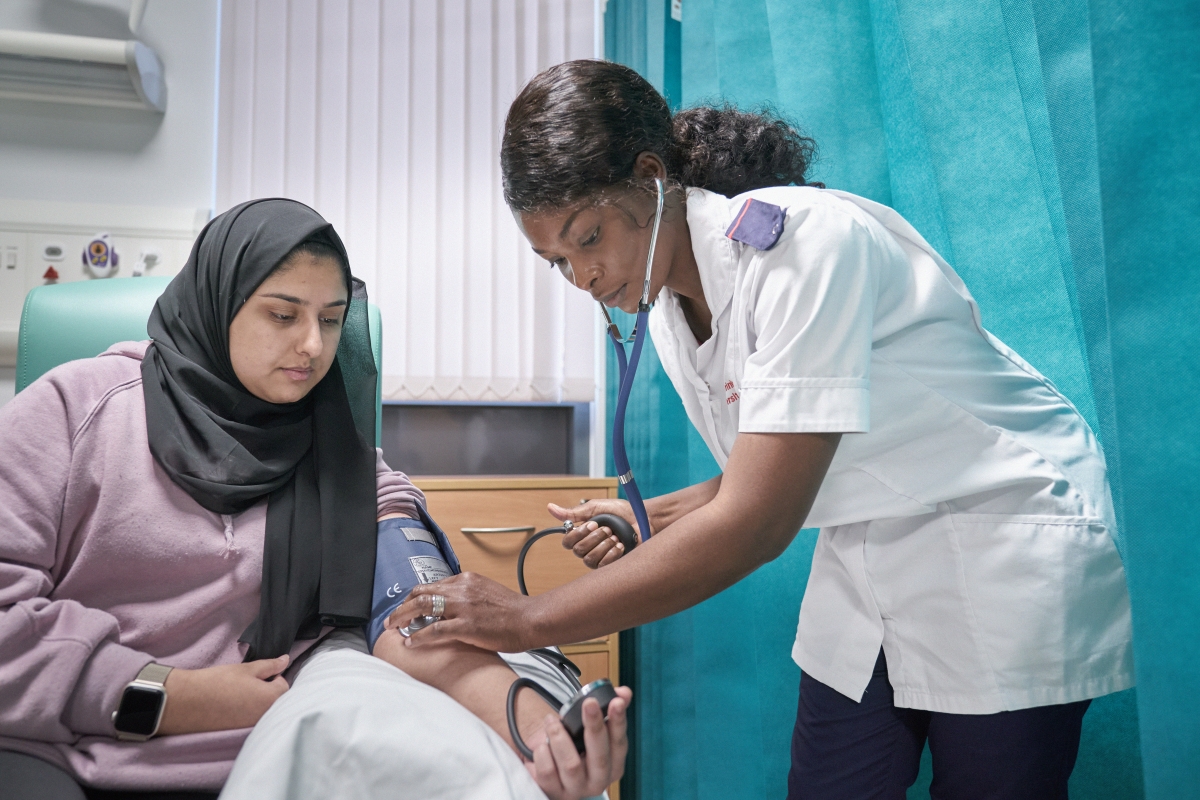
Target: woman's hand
596, 545
222, 698
478, 611
564, 774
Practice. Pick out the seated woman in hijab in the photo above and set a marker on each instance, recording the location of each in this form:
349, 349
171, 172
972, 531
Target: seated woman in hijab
195, 512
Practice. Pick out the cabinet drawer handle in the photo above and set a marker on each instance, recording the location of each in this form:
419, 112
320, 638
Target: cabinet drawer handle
518, 529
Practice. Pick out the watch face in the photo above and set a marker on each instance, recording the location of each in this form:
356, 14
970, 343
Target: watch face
139, 709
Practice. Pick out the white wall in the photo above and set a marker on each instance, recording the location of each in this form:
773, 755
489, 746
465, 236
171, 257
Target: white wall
67, 153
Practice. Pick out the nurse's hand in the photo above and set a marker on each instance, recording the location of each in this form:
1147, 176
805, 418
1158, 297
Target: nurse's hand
478, 611
596, 545
564, 774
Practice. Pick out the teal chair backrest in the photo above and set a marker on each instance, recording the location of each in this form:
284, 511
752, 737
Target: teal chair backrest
66, 321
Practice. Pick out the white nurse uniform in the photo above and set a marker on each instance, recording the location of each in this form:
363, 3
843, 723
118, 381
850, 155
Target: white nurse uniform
966, 521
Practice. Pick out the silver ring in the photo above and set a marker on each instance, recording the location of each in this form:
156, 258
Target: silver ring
439, 606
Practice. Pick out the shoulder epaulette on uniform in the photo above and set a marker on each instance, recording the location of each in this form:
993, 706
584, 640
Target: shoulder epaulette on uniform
757, 224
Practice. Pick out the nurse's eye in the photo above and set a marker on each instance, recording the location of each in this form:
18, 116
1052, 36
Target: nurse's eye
590, 239
564, 268
282, 317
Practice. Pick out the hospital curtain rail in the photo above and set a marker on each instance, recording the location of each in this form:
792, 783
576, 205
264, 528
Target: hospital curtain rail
386, 117
1047, 149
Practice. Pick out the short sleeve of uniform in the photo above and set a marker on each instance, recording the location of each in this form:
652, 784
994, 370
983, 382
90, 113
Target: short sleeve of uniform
811, 303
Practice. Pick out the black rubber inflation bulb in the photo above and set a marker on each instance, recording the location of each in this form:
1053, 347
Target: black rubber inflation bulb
621, 529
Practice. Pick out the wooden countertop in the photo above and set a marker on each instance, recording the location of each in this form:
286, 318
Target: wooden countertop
448, 482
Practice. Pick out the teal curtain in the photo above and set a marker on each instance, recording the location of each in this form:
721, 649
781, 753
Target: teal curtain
643, 36
1048, 149
1147, 87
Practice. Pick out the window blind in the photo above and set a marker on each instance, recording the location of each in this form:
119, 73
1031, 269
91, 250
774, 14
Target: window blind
386, 117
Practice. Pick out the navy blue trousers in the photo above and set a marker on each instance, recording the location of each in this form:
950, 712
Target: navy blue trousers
843, 750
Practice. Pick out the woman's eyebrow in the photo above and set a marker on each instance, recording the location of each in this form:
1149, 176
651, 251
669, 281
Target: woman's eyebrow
289, 299
567, 225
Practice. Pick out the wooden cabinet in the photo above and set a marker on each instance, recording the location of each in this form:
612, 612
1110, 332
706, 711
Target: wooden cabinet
488, 521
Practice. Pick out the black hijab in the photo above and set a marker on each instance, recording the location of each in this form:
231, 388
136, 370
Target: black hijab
228, 449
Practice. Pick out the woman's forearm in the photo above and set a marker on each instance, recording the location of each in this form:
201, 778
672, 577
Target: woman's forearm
677, 568
761, 502
667, 509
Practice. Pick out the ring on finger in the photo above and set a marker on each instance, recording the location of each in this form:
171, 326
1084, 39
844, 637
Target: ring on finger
439, 605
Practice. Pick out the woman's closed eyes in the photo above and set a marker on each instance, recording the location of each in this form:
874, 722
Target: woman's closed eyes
331, 321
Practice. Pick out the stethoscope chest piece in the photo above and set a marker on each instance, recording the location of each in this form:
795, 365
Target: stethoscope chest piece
416, 624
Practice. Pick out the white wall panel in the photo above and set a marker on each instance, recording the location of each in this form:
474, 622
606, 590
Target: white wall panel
385, 116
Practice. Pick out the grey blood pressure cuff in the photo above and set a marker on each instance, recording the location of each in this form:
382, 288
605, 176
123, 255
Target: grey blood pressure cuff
408, 552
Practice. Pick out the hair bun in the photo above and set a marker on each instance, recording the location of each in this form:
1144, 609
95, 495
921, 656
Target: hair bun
729, 151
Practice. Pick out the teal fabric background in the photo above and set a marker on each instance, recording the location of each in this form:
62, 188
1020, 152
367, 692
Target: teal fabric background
1147, 77
1047, 149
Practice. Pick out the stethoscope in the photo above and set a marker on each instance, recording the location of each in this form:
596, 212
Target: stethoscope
602, 690
626, 371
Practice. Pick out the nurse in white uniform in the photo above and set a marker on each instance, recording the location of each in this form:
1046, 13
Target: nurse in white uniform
966, 588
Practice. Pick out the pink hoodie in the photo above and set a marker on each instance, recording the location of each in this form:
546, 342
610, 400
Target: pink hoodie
106, 565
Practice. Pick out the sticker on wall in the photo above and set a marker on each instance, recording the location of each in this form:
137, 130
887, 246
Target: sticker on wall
99, 257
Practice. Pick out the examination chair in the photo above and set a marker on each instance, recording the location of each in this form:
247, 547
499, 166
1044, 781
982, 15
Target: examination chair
65, 321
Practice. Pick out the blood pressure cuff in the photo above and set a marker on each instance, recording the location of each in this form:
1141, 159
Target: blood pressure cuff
408, 552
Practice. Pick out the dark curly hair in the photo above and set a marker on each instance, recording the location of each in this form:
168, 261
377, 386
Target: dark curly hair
577, 128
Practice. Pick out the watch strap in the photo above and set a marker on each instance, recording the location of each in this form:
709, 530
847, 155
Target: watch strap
154, 673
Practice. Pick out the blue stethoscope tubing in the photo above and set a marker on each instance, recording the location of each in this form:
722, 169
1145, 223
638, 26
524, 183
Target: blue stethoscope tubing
626, 370
620, 456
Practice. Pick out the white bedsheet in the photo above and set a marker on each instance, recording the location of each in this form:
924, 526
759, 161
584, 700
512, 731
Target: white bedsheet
353, 726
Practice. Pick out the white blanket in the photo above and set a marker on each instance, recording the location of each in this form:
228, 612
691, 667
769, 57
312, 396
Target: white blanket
353, 726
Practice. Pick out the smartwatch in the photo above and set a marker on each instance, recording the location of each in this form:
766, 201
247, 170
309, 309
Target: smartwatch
142, 704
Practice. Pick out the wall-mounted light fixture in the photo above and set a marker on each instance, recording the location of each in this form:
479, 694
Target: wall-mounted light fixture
82, 70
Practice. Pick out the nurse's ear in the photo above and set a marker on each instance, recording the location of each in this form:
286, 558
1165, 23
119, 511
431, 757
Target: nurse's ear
649, 166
